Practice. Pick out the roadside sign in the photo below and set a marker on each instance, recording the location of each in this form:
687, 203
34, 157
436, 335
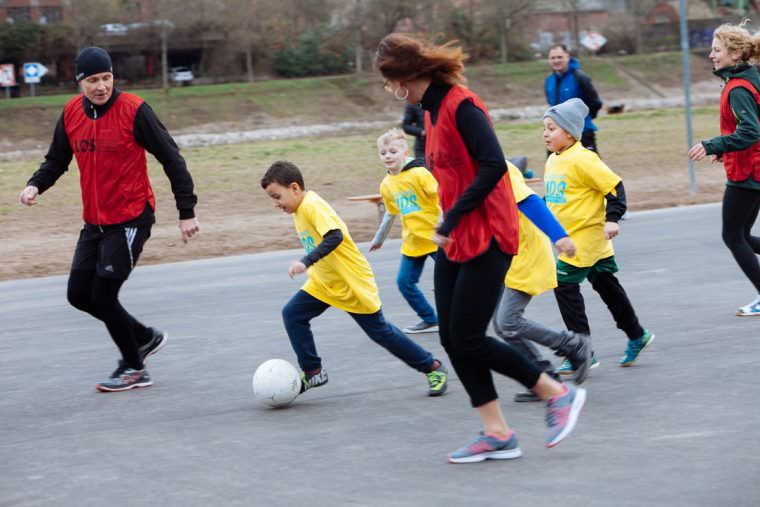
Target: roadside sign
7, 75
33, 72
593, 41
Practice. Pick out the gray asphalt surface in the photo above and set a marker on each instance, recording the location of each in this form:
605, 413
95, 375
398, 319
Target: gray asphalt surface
678, 429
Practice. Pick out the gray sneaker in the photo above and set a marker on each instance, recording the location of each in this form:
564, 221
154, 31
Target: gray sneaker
422, 327
577, 349
316, 380
123, 379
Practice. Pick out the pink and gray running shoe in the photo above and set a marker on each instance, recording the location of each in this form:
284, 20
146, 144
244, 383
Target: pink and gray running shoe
487, 447
562, 413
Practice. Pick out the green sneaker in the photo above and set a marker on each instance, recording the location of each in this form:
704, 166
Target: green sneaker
567, 368
438, 380
635, 347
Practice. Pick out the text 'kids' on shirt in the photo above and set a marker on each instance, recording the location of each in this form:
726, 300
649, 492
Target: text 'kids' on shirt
343, 278
413, 194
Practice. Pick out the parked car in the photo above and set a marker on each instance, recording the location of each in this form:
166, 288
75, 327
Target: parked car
181, 76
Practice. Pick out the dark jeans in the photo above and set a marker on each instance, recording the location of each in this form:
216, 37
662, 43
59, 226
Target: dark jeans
466, 295
407, 279
573, 308
303, 307
588, 139
98, 296
740, 207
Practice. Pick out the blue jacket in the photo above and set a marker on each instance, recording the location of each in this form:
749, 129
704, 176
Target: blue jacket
573, 83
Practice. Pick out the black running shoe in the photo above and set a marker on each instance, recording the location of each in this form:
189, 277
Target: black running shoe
124, 378
157, 341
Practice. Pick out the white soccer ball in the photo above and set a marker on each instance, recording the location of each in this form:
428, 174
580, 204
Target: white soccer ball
276, 383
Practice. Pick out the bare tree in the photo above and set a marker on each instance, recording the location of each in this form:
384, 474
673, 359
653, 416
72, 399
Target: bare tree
86, 17
504, 12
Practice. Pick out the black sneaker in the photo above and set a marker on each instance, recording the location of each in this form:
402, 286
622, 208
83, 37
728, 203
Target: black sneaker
157, 341
421, 327
525, 396
315, 380
124, 379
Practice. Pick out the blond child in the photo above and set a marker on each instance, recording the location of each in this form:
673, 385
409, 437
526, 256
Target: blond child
588, 199
339, 276
409, 190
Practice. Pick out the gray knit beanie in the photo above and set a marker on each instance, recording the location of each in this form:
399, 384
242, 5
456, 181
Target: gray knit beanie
570, 116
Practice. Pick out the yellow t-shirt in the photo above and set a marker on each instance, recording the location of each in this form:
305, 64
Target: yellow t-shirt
413, 194
533, 269
576, 182
343, 278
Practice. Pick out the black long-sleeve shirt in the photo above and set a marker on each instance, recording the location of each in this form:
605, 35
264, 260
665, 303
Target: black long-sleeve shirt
482, 144
149, 133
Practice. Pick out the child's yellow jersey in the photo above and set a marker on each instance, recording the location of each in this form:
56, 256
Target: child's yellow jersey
413, 194
576, 182
532, 270
343, 278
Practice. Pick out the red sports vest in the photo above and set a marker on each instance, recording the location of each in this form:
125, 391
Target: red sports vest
113, 171
455, 170
739, 165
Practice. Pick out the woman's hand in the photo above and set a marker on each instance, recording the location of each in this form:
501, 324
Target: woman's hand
697, 152
441, 241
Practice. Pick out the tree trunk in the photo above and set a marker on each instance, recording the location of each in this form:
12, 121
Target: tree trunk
358, 52
164, 61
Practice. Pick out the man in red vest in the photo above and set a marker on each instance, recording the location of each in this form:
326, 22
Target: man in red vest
108, 132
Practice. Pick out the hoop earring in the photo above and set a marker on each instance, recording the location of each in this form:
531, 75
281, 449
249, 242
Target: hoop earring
399, 97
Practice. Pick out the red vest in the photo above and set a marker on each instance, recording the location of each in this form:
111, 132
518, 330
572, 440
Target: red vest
739, 165
113, 172
455, 170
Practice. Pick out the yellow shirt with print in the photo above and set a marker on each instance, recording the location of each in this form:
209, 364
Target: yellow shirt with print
413, 194
343, 278
576, 182
532, 270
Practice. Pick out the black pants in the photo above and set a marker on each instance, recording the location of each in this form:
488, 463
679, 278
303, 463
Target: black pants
573, 308
102, 262
466, 295
740, 207
588, 140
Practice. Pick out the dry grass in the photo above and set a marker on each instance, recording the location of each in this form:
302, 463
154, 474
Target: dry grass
647, 149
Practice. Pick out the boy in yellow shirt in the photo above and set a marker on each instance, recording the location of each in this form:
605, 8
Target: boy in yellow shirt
409, 190
339, 276
588, 199
531, 273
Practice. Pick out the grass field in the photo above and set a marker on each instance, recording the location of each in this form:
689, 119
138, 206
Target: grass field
646, 148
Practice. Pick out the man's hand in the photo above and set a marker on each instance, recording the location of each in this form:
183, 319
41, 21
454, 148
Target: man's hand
188, 228
565, 246
28, 196
296, 268
611, 229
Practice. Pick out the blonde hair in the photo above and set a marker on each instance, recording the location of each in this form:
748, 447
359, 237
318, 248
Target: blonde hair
405, 58
738, 38
394, 134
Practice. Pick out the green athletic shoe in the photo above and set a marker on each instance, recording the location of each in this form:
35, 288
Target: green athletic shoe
635, 347
567, 368
438, 381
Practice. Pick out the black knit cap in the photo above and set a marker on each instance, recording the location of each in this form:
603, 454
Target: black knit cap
92, 60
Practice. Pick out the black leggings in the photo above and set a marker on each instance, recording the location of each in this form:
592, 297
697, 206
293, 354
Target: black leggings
466, 295
740, 207
99, 297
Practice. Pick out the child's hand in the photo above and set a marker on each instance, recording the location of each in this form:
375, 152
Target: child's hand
716, 159
440, 240
296, 268
375, 246
697, 152
611, 229
566, 246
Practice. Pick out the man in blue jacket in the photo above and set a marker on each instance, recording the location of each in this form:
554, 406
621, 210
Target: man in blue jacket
568, 81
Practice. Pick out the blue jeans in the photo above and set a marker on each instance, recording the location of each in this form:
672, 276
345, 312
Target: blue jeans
407, 279
303, 307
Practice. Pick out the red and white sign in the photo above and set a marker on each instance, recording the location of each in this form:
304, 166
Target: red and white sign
593, 41
7, 75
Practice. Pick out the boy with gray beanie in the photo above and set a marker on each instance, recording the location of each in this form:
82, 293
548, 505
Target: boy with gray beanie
588, 199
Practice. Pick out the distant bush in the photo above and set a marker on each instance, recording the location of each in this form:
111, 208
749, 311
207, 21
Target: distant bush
311, 55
